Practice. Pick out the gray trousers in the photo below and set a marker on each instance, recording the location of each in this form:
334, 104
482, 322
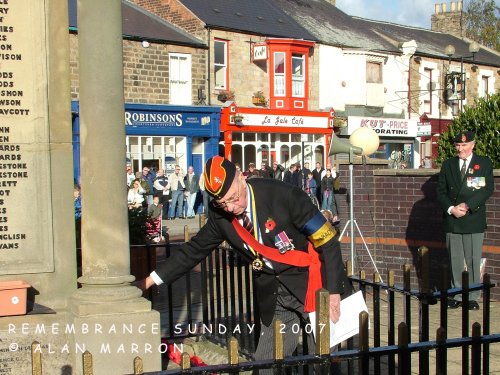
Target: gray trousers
291, 313
468, 247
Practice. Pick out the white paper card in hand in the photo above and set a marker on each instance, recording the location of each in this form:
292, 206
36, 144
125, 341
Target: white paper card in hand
348, 324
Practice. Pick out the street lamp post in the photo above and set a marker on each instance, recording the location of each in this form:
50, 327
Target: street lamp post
450, 51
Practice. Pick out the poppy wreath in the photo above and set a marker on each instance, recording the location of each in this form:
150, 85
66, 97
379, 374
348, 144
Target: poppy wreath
174, 355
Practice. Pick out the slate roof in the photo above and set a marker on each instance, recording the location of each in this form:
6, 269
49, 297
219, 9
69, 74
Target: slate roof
261, 17
139, 24
331, 26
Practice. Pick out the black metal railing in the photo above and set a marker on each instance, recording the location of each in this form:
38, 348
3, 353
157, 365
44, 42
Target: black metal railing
219, 292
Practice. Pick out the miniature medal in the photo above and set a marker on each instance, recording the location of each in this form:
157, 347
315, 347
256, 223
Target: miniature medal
257, 264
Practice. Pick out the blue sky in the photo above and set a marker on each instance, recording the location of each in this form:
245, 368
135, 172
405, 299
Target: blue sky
405, 12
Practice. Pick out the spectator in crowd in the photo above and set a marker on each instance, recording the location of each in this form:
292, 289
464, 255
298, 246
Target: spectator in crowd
278, 170
282, 217
191, 182
266, 171
327, 190
130, 175
78, 213
317, 177
305, 174
135, 196
155, 208
148, 176
177, 187
162, 190
297, 178
336, 191
310, 185
427, 162
465, 184
252, 172
205, 195
287, 177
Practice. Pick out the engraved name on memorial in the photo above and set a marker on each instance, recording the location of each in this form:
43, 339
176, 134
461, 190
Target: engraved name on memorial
26, 241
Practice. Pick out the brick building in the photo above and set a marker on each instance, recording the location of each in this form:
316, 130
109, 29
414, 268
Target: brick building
163, 67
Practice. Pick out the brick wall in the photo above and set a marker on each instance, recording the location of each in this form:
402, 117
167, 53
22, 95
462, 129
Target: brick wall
397, 212
245, 76
146, 70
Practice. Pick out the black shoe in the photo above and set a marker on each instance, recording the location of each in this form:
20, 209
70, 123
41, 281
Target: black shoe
473, 305
454, 304
182, 217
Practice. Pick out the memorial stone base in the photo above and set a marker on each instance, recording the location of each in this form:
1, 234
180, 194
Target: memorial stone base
113, 340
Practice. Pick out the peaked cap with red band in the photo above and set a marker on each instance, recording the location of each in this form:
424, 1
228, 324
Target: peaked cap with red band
219, 175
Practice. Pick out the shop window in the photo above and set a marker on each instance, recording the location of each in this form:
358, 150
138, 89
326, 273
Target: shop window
263, 137
427, 100
373, 72
279, 74
298, 76
249, 137
221, 64
284, 137
284, 154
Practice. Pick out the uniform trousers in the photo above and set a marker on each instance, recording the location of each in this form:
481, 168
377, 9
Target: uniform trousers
466, 246
290, 311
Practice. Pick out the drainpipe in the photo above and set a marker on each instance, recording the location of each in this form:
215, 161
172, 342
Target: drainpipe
409, 88
408, 48
209, 51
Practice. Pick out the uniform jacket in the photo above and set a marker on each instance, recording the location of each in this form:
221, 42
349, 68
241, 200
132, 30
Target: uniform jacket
280, 208
453, 190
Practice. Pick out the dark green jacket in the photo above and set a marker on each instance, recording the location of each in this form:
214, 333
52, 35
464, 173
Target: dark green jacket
453, 190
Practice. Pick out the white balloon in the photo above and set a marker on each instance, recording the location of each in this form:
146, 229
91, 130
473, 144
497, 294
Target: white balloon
365, 138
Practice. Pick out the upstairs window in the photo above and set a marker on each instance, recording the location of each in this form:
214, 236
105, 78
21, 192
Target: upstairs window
279, 74
298, 75
373, 72
484, 87
220, 64
427, 96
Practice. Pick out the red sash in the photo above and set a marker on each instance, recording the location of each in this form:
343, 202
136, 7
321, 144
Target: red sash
294, 258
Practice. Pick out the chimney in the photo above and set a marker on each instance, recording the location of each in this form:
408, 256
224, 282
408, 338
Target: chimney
449, 22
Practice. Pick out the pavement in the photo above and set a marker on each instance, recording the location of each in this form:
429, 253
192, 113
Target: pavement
178, 229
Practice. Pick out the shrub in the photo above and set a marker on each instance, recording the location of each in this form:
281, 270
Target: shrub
483, 118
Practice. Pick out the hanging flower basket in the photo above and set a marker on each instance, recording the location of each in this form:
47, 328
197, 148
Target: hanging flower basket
225, 95
237, 118
258, 98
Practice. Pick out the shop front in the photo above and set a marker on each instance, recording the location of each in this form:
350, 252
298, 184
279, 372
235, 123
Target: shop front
161, 136
263, 135
398, 138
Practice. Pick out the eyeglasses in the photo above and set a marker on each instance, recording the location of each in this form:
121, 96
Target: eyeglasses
231, 200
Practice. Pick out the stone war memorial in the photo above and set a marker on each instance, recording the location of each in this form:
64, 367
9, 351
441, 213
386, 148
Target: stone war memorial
40, 297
